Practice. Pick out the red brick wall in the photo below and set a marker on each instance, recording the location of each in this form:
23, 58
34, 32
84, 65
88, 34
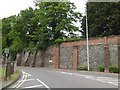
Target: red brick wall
92, 41
75, 57
55, 51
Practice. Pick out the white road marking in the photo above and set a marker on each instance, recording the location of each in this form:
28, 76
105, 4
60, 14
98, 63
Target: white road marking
34, 86
23, 76
26, 80
113, 81
80, 75
66, 73
87, 77
43, 84
22, 81
28, 74
109, 82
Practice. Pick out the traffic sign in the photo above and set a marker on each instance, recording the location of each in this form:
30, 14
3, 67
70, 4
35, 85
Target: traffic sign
6, 51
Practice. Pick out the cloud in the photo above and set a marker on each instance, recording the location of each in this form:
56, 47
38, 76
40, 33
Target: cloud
12, 7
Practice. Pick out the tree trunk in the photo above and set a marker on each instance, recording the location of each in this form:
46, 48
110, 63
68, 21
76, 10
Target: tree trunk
43, 57
34, 61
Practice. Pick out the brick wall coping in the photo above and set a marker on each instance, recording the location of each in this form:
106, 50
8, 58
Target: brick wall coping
93, 41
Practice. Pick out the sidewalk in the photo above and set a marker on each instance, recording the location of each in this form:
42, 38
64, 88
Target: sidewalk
6, 84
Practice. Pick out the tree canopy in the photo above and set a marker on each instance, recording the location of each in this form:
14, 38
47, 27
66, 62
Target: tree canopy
103, 19
40, 27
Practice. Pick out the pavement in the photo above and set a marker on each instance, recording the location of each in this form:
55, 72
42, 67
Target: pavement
6, 84
60, 78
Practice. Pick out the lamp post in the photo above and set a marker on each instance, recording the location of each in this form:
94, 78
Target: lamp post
88, 66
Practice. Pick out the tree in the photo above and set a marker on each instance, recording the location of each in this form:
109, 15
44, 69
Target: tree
35, 29
103, 19
7, 24
15, 30
54, 19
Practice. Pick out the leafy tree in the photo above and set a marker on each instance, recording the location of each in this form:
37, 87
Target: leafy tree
7, 24
103, 19
55, 18
24, 24
15, 30
35, 29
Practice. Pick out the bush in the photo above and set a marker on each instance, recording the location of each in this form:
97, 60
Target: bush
82, 67
113, 69
100, 68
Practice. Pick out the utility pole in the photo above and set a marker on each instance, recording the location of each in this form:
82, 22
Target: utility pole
87, 39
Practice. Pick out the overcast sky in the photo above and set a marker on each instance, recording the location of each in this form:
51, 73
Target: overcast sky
13, 7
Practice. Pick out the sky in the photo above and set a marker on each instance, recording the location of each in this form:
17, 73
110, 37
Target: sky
13, 7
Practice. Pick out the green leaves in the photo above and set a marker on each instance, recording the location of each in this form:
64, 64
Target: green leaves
54, 18
103, 19
38, 28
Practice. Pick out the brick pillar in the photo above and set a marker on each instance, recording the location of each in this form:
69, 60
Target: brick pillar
57, 56
106, 58
106, 55
75, 57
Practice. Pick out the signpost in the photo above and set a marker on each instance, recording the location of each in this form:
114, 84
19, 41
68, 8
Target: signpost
6, 52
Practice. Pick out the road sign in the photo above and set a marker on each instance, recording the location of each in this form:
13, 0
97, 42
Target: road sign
6, 51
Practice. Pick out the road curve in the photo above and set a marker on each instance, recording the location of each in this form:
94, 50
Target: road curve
49, 78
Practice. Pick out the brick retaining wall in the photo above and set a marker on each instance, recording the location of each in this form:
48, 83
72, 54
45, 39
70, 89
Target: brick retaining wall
103, 51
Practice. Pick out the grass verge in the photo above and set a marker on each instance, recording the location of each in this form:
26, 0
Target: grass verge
2, 73
15, 75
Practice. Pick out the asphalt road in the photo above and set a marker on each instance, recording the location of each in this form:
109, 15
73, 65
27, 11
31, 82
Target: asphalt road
52, 78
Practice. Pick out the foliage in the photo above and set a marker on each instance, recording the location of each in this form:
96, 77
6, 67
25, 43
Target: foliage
2, 73
100, 68
55, 18
103, 19
59, 41
34, 29
82, 67
113, 69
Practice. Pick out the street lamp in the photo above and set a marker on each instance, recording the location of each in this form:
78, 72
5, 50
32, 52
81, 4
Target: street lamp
87, 40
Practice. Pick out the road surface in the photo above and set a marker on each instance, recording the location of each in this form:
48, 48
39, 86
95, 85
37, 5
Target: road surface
53, 78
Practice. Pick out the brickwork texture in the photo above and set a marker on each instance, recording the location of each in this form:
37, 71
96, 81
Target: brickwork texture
102, 51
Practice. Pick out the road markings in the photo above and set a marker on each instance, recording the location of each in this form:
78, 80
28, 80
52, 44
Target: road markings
23, 76
43, 84
87, 77
22, 81
80, 75
28, 74
109, 80
66, 73
26, 80
34, 86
